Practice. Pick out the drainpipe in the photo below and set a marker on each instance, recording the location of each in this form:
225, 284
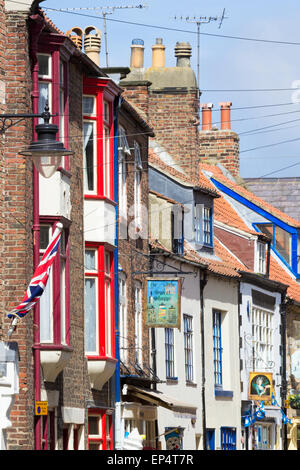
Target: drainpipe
283, 377
117, 387
203, 282
37, 24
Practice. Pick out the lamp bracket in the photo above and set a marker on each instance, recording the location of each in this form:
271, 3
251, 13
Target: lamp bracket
10, 120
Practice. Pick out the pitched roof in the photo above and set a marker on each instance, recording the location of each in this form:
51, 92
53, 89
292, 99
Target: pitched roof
218, 175
156, 161
226, 213
224, 263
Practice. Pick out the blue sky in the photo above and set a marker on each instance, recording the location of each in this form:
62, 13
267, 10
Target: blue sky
225, 64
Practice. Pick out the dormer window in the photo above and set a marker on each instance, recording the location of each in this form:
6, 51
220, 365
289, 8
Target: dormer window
207, 226
261, 258
281, 241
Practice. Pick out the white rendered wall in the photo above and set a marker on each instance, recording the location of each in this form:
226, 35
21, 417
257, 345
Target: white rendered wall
190, 394
222, 294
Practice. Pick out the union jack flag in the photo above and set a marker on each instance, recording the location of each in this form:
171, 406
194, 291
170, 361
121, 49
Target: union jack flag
40, 277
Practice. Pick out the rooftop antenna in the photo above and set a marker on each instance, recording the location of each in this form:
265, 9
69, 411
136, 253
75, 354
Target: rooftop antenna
104, 11
199, 21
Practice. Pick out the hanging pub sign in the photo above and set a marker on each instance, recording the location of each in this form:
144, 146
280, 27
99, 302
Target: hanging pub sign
162, 303
260, 386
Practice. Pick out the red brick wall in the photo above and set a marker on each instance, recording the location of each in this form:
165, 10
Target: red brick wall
241, 247
18, 247
220, 147
129, 259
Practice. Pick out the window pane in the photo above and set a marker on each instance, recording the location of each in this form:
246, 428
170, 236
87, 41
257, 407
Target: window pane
46, 312
89, 156
93, 423
63, 300
88, 104
266, 229
44, 64
283, 243
44, 96
90, 260
44, 236
90, 317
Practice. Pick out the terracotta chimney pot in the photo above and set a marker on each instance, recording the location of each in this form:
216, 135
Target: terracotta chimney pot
225, 115
206, 116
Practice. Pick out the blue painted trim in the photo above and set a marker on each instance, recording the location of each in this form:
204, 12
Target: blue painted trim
294, 263
116, 251
253, 206
223, 393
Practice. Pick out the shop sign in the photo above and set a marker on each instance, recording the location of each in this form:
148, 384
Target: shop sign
260, 386
162, 303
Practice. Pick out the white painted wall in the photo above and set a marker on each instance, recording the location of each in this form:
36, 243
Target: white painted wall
222, 294
190, 394
246, 350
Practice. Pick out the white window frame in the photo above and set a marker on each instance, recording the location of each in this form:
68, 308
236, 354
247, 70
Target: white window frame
95, 162
262, 337
261, 257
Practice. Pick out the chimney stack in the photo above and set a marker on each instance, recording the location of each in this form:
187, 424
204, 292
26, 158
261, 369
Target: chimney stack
206, 116
158, 53
137, 54
225, 115
92, 43
183, 52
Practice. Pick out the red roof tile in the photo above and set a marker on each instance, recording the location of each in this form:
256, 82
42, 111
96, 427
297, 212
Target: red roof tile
242, 191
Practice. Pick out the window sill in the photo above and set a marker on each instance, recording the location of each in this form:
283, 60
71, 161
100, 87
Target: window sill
223, 393
172, 380
190, 384
100, 198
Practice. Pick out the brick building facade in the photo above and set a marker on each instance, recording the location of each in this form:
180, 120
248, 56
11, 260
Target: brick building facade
35, 57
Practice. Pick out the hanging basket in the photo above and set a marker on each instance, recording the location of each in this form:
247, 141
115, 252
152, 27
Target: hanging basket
294, 401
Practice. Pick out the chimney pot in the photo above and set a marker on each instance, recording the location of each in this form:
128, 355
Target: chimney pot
137, 54
158, 53
225, 115
92, 43
206, 116
75, 34
183, 52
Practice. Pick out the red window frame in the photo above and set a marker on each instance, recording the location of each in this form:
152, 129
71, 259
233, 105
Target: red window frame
102, 91
52, 45
56, 274
102, 278
104, 419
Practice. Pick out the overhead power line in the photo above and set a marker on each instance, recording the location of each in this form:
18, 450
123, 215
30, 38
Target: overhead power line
166, 28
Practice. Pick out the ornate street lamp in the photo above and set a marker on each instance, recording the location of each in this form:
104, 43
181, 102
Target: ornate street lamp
46, 152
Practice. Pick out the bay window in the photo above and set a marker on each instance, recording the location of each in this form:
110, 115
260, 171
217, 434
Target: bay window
53, 89
98, 145
138, 167
99, 302
122, 317
99, 430
54, 303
